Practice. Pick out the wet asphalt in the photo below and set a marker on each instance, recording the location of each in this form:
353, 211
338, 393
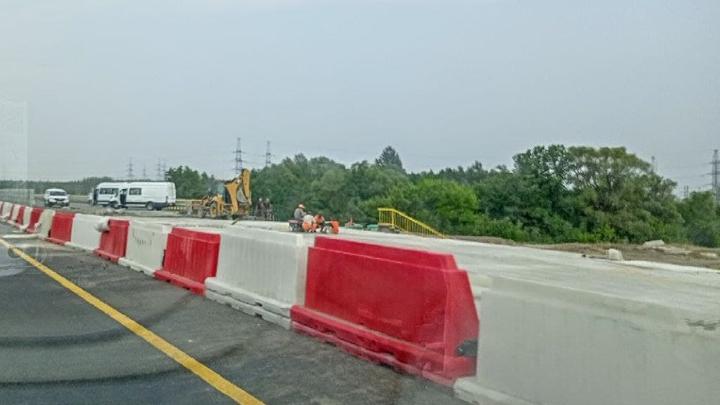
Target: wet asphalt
56, 348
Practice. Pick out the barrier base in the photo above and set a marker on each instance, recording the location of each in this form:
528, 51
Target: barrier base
259, 308
56, 241
180, 281
470, 390
136, 266
381, 348
106, 255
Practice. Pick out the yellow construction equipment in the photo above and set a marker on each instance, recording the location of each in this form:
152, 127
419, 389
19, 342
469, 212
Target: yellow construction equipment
234, 200
397, 221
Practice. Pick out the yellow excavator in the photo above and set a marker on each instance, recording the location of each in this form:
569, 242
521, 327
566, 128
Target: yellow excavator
233, 200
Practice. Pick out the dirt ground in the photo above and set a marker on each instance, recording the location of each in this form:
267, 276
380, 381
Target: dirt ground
686, 255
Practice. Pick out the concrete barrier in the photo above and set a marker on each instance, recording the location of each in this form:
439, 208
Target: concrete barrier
113, 241
14, 214
44, 224
27, 214
34, 220
261, 273
84, 233
145, 246
544, 344
410, 309
61, 228
6, 210
191, 256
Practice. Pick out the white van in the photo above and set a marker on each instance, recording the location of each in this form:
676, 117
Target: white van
107, 193
151, 195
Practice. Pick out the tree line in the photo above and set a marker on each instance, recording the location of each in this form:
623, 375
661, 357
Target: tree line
550, 194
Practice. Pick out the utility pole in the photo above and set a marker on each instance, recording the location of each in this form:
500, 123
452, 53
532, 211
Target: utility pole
238, 157
268, 155
716, 175
130, 173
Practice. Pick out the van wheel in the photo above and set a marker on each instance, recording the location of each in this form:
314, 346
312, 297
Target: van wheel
114, 205
149, 206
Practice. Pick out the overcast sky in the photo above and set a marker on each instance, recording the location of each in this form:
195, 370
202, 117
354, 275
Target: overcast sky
445, 82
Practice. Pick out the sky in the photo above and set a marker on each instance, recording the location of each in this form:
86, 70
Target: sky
445, 82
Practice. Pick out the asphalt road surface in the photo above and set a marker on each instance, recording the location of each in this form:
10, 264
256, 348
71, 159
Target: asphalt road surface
57, 348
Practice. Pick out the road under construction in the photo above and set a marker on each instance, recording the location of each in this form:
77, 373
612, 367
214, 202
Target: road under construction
192, 311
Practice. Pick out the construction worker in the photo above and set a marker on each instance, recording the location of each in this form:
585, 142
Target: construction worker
269, 210
260, 209
309, 224
319, 221
299, 214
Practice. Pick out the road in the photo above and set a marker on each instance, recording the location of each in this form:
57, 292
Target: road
57, 348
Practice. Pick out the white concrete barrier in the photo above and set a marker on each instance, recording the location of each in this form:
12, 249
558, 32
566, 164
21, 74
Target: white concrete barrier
14, 214
261, 272
546, 344
6, 210
145, 246
26, 218
84, 233
45, 223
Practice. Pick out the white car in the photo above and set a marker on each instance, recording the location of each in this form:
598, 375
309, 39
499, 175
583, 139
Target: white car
56, 196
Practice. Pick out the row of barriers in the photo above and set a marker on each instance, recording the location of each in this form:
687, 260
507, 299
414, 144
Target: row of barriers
413, 310
410, 309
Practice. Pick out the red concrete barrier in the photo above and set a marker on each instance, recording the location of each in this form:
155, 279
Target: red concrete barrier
20, 216
34, 219
61, 229
410, 309
113, 242
190, 257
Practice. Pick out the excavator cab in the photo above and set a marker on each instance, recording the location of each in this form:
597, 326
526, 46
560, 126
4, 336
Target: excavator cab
233, 199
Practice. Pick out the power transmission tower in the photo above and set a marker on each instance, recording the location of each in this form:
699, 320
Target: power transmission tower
268, 155
238, 157
130, 174
653, 163
164, 171
144, 172
716, 175
159, 175
686, 191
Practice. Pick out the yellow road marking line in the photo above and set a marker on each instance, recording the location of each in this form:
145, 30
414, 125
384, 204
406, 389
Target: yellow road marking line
205, 373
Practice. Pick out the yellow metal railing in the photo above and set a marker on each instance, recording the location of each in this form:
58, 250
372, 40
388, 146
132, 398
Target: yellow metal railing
397, 220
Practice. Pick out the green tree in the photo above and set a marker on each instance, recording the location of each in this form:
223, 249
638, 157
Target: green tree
619, 191
189, 183
702, 218
389, 158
